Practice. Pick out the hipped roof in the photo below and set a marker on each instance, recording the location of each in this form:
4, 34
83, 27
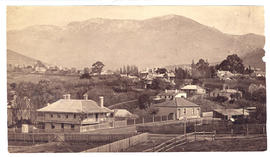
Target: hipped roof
177, 102
75, 106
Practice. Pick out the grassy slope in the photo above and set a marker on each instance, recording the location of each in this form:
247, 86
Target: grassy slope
252, 144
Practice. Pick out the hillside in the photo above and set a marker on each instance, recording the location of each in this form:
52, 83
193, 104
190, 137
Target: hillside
14, 58
254, 59
159, 41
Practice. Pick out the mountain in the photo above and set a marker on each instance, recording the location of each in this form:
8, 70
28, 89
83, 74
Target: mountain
254, 59
158, 41
14, 58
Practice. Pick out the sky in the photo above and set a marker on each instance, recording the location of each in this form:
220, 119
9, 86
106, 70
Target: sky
236, 20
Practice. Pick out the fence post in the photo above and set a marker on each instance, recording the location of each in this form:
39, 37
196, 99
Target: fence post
195, 128
33, 137
247, 129
203, 136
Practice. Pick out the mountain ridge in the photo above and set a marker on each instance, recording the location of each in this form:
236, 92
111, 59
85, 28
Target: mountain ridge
158, 41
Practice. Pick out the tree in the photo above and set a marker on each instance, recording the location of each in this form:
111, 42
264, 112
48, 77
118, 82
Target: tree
144, 101
181, 73
86, 73
233, 64
161, 70
160, 84
97, 67
153, 110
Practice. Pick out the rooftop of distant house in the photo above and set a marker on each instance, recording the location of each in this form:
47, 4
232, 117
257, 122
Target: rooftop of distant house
177, 102
191, 87
231, 111
170, 92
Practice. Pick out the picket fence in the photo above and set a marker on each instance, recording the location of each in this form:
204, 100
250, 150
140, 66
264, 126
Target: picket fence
120, 145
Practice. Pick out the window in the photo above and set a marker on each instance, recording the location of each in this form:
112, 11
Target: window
51, 115
62, 126
67, 116
58, 116
74, 116
52, 126
72, 126
184, 111
96, 116
193, 111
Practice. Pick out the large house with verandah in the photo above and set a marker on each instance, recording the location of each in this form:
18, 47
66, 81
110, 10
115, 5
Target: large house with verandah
73, 115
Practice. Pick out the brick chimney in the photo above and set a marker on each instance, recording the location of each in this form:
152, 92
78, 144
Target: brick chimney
101, 101
66, 96
166, 90
85, 96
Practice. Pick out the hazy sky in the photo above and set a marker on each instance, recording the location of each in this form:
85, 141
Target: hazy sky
228, 19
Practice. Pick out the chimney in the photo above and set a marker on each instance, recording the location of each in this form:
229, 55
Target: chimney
166, 90
176, 91
68, 96
101, 101
85, 96
224, 86
65, 96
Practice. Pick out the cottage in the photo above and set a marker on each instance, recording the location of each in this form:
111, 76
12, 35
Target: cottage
225, 75
123, 114
171, 94
193, 89
74, 115
178, 108
231, 94
230, 114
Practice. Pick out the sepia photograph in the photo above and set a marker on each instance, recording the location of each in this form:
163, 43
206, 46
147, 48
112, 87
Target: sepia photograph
135, 79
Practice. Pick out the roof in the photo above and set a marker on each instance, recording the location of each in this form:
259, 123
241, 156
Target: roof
191, 87
122, 113
177, 102
75, 106
231, 111
170, 93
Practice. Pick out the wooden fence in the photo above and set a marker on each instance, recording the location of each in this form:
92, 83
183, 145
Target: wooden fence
31, 137
180, 140
78, 138
120, 145
71, 138
95, 127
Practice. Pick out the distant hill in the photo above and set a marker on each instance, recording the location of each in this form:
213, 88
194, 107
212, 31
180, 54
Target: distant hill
14, 58
154, 42
254, 59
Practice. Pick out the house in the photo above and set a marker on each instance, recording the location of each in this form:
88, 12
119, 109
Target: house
171, 94
193, 89
40, 69
74, 115
123, 114
230, 114
178, 109
224, 75
231, 94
